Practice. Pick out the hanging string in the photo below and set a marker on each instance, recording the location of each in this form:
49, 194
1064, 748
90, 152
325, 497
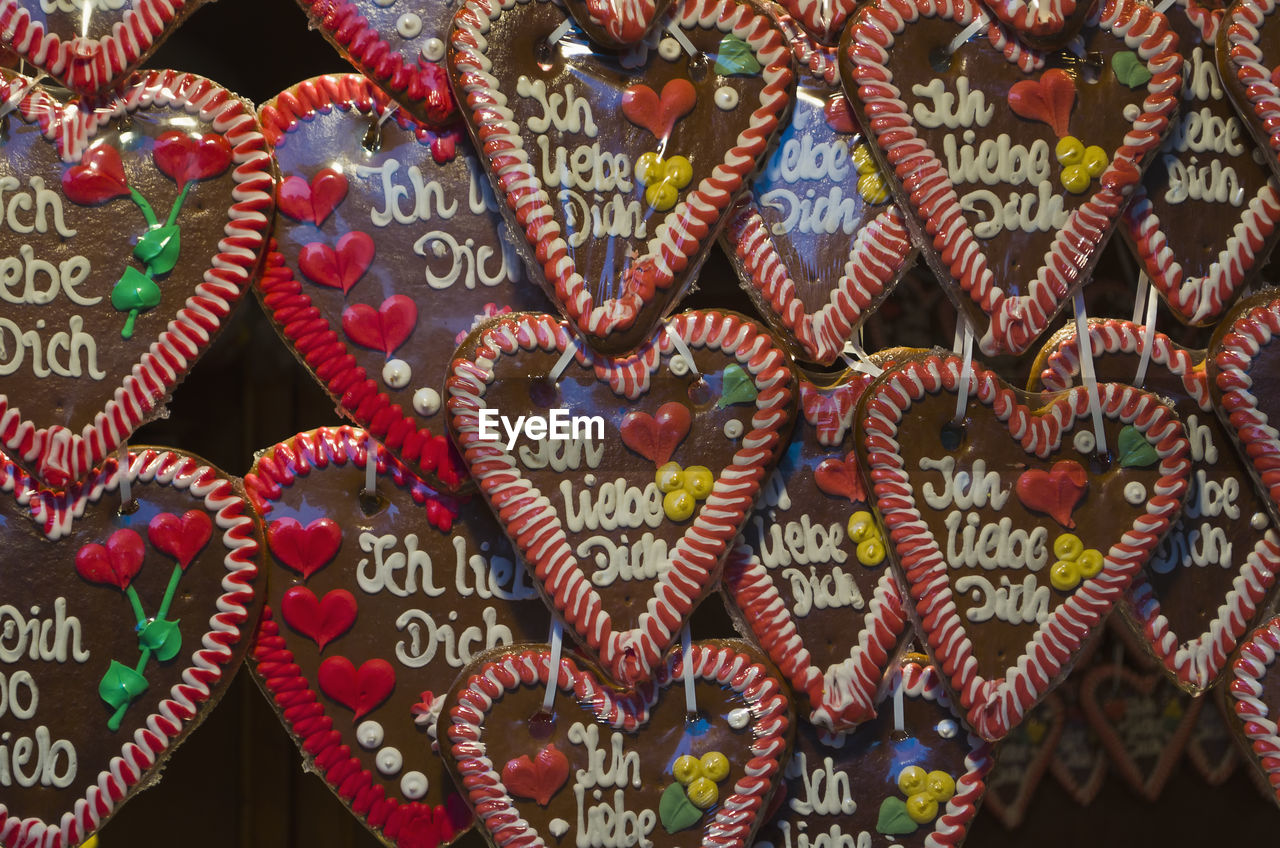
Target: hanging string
122, 474
682, 349
1087, 374
370, 467
563, 362
559, 32
1164, 5
1140, 301
860, 360
17, 96
686, 650
966, 371
899, 719
553, 673
979, 22
1148, 336
685, 44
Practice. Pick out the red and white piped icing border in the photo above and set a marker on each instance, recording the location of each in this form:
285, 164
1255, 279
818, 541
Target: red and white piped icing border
72, 128
316, 340
686, 228
88, 65
206, 666
824, 20
1016, 320
488, 680
844, 694
1038, 18
1199, 299
623, 21
1256, 661
1195, 663
1246, 331
880, 253
536, 529
994, 706
423, 87
1241, 56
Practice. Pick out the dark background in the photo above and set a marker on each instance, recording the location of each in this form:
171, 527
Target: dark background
238, 780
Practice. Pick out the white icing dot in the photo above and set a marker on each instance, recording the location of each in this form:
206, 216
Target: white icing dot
733, 429
679, 366
1084, 441
558, 827
426, 401
397, 373
389, 760
409, 25
947, 728
414, 785
438, 248
1259, 521
726, 98
1131, 112
384, 3
669, 49
1135, 493
739, 718
369, 734
433, 50
589, 479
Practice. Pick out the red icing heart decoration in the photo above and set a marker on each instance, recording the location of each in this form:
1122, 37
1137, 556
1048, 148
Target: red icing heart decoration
188, 158
839, 115
937, 497
304, 549
340, 266
656, 437
320, 619
1048, 99
840, 478
314, 201
98, 178
116, 563
539, 778
1055, 492
385, 328
358, 689
181, 538
644, 108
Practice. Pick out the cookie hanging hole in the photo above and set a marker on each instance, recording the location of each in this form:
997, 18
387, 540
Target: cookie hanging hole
700, 393
542, 55
542, 724
952, 434
372, 141
128, 507
699, 65
899, 736
1091, 68
940, 59
696, 724
1101, 462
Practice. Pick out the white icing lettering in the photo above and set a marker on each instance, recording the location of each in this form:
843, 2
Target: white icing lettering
426, 637
963, 489
964, 108
1024, 603
615, 506
388, 562
51, 639
567, 112
646, 559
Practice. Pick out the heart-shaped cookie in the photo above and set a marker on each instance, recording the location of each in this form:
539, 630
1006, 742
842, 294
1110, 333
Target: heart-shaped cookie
1244, 357
808, 578
1247, 61
1143, 720
1015, 183
397, 46
1044, 24
1004, 594
620, 185
385, 256
1079, 762
89, 49
1210, 748
1255, 702
822, 20
817, 241
121, 639
915, 785
1022, 759
636, 768
134, 229
1209, 581
617, 23
1209, 169
622, 546
361, 638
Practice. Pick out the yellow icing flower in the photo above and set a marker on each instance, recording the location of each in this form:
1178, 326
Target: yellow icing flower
663, 178
871, 184
1074, 562
870, 543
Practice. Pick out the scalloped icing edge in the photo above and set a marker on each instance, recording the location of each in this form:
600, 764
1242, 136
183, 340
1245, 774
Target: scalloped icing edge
1260, 730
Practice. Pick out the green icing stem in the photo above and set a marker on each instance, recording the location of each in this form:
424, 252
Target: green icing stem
113, 723
141, 203
177, 206
169, 590
136, 604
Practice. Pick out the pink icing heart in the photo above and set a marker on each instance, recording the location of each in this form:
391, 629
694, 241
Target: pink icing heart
384, 329
340, 266
312, 201
181, 538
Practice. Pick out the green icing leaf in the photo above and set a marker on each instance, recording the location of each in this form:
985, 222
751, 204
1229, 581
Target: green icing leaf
1130, 69
158, 248
120, 685
893, 820
135, 290
736, 57
1135, 450
676, 810
162, 637
736, 386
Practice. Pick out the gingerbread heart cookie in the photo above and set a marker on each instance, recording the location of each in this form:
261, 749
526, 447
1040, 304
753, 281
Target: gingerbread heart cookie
1022, 759
619, 169
1203, 221
397, 46
1013, 537
606, 767
817, 241
808, 578
131, 231
356, 216
617, 24
1248, 55
623, 481
1242, 367
1017, 181
1255, 702
1210, 749
1143, 720
1045, 24
1209, 581
122, 628
89, 48
1079, 762
362, 636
